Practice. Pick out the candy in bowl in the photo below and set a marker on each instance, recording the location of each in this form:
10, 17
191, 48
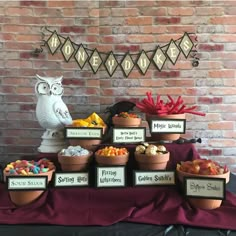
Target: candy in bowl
126, 119
112, 156
92, 121
42, 167
74, 158
151, 157
201, 168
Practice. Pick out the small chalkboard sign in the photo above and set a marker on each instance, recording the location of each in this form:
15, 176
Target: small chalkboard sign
172, 126
26, 183
129, 135
153, 177
83, 133
205, 187
110, 177
71, 179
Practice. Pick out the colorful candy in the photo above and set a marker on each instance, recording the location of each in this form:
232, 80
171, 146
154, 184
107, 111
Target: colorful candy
111, 151
74, 151
24, 167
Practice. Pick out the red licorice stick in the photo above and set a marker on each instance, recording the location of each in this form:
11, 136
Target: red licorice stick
142, 107
148, 105
191, 108
181, 110
171, 99
159, 101
176, 105
150, 98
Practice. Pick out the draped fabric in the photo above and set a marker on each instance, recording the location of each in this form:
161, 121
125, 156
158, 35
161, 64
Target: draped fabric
157, 205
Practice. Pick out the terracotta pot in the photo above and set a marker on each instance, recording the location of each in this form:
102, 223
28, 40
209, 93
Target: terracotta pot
89, 144
74, 163
163, 136
112, 161
21, 198
126, 122
203, 203
153, 162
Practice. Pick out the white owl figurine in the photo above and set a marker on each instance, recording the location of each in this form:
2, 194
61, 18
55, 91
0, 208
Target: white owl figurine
51, 112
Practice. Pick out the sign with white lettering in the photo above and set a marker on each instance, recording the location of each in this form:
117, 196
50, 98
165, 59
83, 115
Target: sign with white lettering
173, 126
71, 179
83, 133
154, 177
114, 176
213, 188
25, 183
129, 135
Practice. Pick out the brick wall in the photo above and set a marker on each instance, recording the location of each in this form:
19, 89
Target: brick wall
120, 26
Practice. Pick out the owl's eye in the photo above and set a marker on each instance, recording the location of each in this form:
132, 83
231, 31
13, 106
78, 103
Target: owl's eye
57, 89
43, 88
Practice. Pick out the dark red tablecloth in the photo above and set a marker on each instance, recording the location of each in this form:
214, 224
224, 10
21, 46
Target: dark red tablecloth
160, 205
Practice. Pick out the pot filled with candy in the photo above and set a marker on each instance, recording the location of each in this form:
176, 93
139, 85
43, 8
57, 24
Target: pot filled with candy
151, 157
126, 119
74, 158
201, 168
157, 108
92, 121
42, 167
112, 156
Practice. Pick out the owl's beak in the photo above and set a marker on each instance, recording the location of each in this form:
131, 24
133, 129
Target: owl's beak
50, 92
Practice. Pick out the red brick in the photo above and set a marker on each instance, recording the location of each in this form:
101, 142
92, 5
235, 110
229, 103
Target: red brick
149, 3
61, 4
224, 38
210, 100
17, 11
221, 74
33, 3
153, 11
167, 20
140, 38
221, 142
167, 74
27, 107
223, 125
154, 29
142, 20
181, 28
72, 29
224, 20
181, 11
7, 37
211, 47
112, 39
74, 82
230, 29
209, 11
104, 12
180, 83
104, 4
126, 48
125, 12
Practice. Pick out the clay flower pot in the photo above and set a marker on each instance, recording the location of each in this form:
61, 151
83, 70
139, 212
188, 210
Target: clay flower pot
163, 136
89, 144
112, 160
74, 163
126, 121
203, 203
21, 198
152, 162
